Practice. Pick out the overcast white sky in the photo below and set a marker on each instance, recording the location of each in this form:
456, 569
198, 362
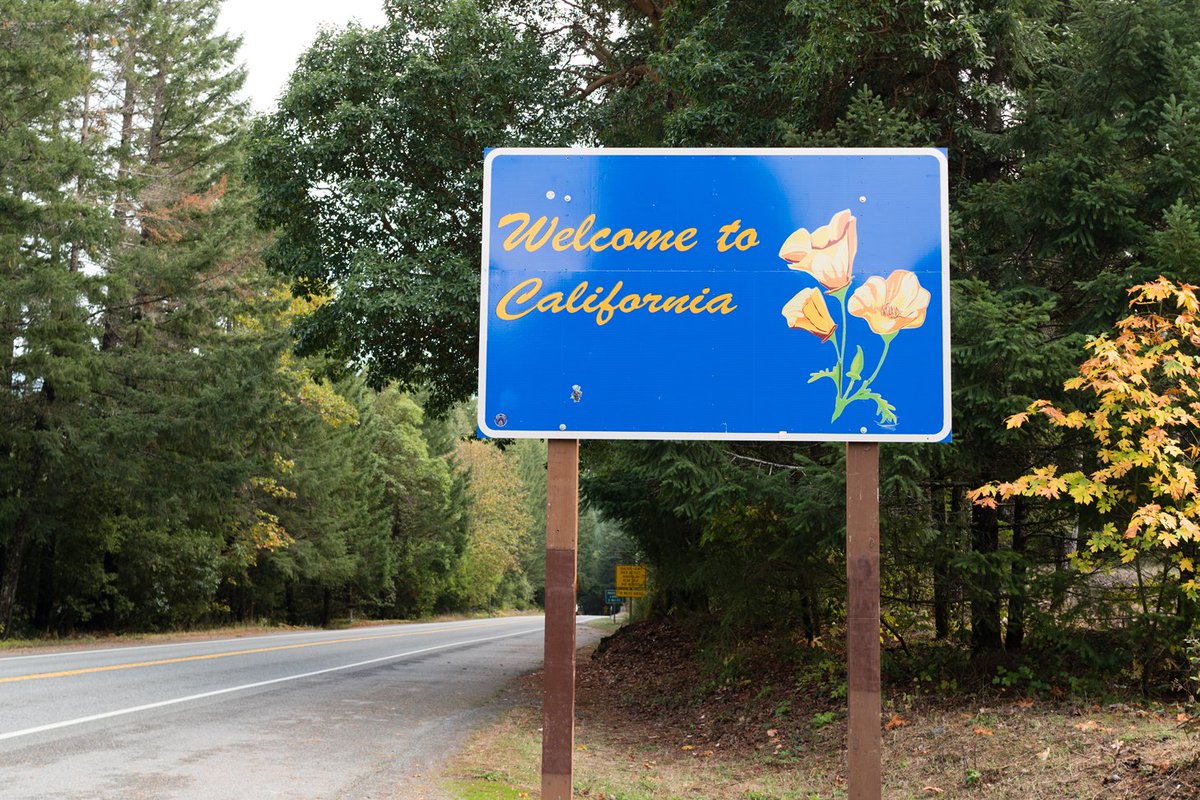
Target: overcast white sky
275, 33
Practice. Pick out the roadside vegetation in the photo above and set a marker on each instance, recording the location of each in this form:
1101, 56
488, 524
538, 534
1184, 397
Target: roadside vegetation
662, 716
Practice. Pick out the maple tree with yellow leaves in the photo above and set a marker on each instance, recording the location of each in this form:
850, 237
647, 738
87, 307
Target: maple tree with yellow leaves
1141, 388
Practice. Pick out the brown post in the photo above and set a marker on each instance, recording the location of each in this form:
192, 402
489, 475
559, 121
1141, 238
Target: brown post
863, 758
558, 697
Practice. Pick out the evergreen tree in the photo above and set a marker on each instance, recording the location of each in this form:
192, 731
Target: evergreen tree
428, 529
45, 354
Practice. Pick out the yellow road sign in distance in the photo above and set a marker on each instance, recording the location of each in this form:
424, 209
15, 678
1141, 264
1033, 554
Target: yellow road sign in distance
628, 593
631, 577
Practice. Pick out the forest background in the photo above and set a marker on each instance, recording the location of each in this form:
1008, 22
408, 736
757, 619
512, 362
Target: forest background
240, 352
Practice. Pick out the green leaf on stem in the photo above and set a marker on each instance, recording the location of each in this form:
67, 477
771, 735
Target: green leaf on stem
856, 365
885, 410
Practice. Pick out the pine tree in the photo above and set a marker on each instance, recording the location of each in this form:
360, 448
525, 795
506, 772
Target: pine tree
44, 225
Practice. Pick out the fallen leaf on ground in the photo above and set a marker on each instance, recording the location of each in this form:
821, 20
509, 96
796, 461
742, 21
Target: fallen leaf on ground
688, 747
1089, 726
1045, 754
984, 732
896, 721
1025, 703
772, 732
933, 789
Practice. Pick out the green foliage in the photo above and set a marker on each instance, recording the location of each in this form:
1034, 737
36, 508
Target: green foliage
489, 573
427, 534
167, 460
371, 172
1074, 167
821, 720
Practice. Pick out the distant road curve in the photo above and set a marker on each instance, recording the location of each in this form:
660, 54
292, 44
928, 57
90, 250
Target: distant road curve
358, 713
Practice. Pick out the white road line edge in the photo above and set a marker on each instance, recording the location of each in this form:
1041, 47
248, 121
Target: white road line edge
200, 642
175, 701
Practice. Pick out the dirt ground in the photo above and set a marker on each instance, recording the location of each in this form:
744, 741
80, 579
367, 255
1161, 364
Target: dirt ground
652, 723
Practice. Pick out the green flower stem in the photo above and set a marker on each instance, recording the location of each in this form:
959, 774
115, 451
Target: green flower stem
838, 403
841, 402
887, 342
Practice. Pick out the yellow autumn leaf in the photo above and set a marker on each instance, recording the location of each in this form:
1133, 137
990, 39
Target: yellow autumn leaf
1016, 420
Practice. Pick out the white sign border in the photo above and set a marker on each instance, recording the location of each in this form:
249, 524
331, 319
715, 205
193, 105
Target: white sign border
781, 436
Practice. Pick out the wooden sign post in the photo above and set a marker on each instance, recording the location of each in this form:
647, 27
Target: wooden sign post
863, 758
558, 699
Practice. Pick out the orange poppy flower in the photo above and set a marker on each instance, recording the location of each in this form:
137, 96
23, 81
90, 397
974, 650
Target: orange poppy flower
892, 305
807, 311
827, 253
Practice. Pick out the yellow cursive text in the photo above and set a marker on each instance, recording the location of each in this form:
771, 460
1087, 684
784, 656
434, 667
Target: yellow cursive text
524, 298
582, 238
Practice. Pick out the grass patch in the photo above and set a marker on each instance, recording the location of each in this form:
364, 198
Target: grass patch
483, 789
605, 624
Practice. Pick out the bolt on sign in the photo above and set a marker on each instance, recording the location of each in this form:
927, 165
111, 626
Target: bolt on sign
715, 294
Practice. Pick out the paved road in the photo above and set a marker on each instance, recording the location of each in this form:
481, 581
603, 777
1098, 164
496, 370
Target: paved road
361, 713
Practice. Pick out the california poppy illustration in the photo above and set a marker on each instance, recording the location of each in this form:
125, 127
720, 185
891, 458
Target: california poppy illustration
888, 306
892, 305
827, 253
807, 311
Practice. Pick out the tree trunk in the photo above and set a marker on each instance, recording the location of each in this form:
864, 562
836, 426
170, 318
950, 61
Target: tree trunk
1015, 634
14, 553
941, 561
45, 590
289, 603
812, 616
985, 599
85, 123
121, 208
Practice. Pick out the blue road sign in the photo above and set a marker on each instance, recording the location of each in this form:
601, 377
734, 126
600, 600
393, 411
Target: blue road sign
610, 597
715, 294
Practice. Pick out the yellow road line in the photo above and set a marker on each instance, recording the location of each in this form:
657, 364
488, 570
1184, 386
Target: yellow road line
210, 656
